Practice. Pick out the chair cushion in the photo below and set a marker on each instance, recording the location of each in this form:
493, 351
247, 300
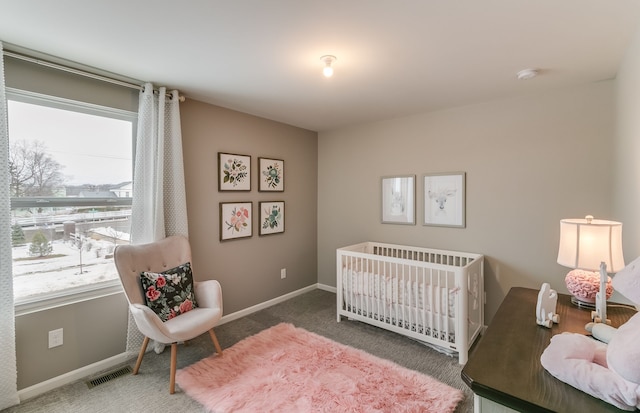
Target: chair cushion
169, 293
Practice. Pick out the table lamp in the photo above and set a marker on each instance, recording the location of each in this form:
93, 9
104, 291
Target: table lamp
593, 248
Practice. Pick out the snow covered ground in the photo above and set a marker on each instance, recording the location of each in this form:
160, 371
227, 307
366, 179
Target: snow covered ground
33, 275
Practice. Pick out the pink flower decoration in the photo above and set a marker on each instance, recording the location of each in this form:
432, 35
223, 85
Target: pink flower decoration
152, 293
185, 306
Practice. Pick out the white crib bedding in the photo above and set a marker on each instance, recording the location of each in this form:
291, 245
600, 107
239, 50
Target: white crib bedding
433, 325
394, 290
401, 303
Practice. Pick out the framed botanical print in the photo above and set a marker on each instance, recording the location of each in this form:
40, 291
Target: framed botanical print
271, 217
234, 172
235, 220
270, 175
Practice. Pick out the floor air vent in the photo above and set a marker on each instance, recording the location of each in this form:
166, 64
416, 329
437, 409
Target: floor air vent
109, 376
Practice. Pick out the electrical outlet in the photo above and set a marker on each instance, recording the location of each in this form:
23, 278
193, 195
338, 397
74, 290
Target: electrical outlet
55, 338
283, 273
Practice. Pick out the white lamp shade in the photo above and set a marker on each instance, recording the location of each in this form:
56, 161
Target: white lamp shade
584, 244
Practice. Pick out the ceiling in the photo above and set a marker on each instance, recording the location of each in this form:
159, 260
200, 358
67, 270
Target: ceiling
394, 58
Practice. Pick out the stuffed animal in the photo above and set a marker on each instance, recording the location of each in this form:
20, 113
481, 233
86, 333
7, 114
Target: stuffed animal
607, 369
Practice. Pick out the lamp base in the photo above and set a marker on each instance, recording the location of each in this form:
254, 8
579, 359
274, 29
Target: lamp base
584, 286
583, 304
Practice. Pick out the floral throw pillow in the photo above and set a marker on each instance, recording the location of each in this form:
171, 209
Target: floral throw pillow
169, 293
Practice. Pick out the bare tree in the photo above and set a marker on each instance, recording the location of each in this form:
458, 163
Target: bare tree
78, 241
19, 171
113, 234
32, 170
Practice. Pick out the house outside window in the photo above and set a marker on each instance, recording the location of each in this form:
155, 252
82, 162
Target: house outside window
71, 171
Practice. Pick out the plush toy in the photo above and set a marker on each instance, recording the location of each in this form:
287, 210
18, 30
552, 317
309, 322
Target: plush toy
607, 369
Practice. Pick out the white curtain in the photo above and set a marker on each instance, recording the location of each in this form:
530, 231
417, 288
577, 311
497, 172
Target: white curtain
159, 204
8, 372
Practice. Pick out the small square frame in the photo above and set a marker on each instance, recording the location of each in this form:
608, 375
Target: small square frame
271, 217
398, 199
236, 220
444, 199
234, 172
270, 175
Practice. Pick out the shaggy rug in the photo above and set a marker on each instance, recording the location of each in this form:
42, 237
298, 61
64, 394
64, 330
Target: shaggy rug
288, 369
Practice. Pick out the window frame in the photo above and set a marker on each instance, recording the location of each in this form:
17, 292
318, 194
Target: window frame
27, 305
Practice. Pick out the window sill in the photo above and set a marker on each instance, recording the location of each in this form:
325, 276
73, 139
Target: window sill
68, 296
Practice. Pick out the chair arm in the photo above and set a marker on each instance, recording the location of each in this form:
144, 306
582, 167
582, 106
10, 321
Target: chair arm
208, 294
149, 323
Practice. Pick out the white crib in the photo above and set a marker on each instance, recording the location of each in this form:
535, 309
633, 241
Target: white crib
434, 296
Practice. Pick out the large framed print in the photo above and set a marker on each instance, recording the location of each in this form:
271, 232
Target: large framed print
235, 220
234, 172
270, 175
444, 199
271, 217
398, 200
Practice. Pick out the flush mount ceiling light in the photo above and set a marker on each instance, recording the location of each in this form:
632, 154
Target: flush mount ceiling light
527, 74
328, 60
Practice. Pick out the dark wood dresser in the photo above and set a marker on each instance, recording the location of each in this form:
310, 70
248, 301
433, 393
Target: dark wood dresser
504, 365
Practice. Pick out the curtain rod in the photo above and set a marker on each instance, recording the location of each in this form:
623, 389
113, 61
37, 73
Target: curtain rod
79, 72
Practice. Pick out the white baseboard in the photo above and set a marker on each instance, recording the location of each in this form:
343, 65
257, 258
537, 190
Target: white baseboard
70, 377
327, 288
242, 313
86, 371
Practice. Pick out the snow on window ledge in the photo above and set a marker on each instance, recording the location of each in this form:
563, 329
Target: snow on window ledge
68, 296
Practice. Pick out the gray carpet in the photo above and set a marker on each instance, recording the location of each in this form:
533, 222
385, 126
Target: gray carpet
314, 311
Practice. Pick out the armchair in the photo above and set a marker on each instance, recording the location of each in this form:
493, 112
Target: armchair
157, 257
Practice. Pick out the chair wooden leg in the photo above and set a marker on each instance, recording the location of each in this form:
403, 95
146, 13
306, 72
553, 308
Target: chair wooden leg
143, 349
215, 342
174, 357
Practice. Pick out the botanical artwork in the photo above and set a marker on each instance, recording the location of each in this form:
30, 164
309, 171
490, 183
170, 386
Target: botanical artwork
444, 199
271, 217
234, 172
398, 200
235, 220
271, 174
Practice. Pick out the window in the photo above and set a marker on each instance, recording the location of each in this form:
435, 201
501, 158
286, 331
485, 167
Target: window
71, 169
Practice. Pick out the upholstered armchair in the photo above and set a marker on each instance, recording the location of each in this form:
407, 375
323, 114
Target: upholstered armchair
155, 265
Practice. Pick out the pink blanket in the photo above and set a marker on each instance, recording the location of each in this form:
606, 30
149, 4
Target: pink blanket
581, 361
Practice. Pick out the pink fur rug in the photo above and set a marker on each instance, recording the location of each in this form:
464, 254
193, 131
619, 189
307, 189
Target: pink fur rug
288, 369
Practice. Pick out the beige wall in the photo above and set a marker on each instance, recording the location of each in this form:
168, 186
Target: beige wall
32, 77
249, 268
627, 162
529, 161
94, 330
